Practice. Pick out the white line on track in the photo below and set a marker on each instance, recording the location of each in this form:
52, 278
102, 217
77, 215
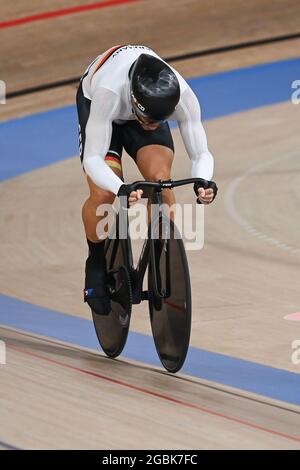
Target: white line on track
237, 218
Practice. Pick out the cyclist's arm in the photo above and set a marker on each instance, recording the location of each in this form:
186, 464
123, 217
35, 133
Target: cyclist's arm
188, 115
104, 108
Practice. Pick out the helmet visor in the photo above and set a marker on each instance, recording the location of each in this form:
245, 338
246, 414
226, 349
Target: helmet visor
142, 116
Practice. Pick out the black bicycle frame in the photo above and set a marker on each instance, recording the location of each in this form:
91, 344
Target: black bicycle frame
148, 251
137, 274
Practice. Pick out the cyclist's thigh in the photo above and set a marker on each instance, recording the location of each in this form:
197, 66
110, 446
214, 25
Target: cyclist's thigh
155, 162
141, 144
101, 195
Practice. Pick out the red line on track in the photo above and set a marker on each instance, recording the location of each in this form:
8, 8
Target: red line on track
162, 396
63, 12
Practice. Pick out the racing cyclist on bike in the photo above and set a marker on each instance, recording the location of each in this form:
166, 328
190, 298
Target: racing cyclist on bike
124, 100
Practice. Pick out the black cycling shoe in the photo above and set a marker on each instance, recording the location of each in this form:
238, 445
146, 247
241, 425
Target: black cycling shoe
96, 292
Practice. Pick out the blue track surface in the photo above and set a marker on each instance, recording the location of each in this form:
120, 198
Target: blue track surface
39, 140
264, 380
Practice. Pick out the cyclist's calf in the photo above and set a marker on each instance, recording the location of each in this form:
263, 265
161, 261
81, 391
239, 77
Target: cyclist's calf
90, 218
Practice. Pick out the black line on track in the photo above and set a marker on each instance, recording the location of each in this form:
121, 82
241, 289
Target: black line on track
190, 55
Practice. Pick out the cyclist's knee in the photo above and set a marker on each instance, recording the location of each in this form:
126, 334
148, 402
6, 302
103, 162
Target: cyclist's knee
98, 195
101, 197
158, 175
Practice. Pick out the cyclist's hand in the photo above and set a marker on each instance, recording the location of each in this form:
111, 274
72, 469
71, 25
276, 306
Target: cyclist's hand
206, 196
205, 191
134, 196
131, 196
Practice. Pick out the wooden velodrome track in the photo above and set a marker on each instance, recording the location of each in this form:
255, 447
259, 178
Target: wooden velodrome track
55, 395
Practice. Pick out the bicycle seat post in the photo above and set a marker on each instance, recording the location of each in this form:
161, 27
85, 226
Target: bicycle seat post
157, 196
123, 219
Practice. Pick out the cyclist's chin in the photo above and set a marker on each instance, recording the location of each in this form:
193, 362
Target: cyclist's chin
150, 127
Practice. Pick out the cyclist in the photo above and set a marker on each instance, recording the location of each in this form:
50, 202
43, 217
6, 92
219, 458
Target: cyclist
124, 100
